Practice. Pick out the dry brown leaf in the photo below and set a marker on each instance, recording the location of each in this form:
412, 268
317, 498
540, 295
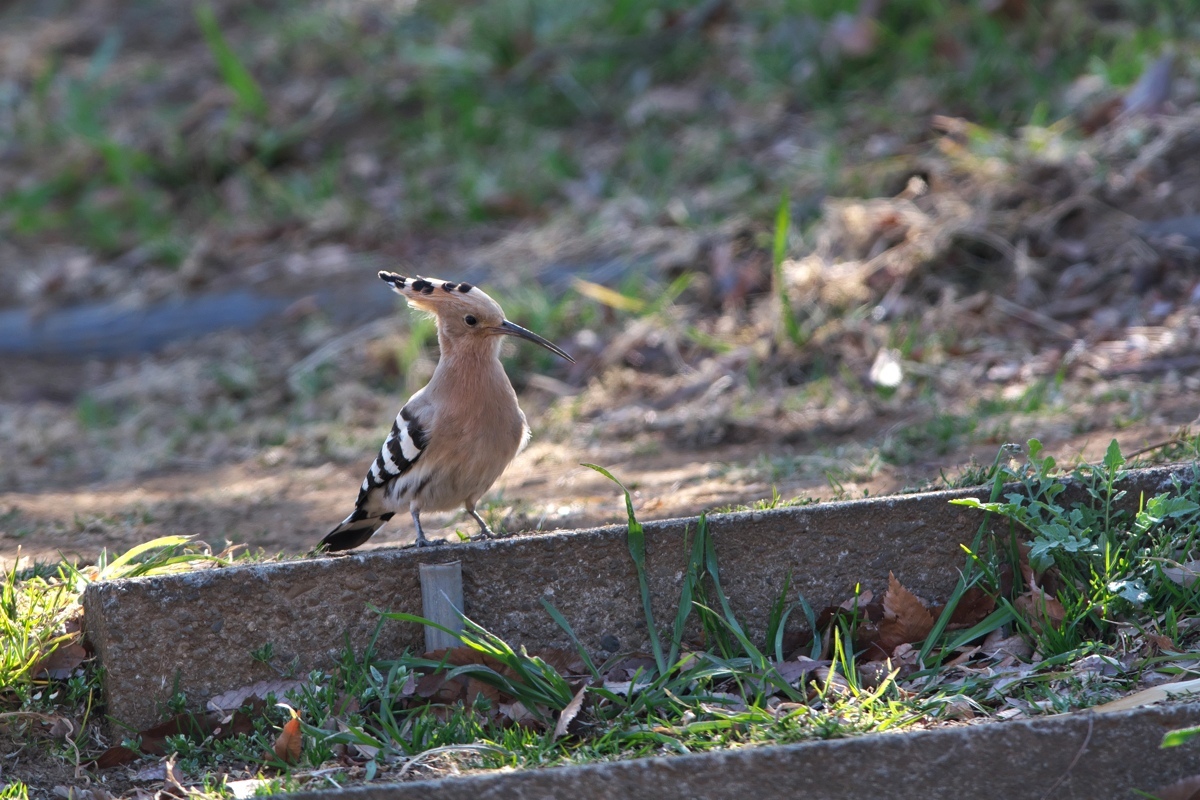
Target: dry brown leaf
115, 757
564, 662
62, 661
70, 653
965, 654
1161, 643
153, 772
905, 617
1185, 574
972, 608
194, 726
1040, 608
1154, 694
518, 713
861, 600
1186, 789
287, 746
872, 674
228, 702
795, 671
997, 644
80, 793
64, 728
434, 686
569, 713
172, 785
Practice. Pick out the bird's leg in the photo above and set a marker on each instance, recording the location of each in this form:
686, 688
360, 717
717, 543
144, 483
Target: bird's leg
484, 531
421, 540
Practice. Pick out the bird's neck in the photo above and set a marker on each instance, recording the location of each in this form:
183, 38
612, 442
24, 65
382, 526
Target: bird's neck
469, 367
469, 350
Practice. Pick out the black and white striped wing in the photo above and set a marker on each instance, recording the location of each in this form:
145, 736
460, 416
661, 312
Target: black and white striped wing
400, 451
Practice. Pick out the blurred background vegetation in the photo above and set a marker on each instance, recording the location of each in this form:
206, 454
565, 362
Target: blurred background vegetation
814, 246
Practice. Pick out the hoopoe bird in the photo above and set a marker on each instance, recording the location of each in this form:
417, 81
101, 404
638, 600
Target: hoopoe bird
455, 436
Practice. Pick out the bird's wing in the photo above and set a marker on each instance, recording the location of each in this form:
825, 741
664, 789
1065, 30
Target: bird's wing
400, 451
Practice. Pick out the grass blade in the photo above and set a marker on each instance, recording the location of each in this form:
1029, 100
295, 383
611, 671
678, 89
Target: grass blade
566, 626
687, 595
778, 252
637, 549
968, 577
118, 566
248, 95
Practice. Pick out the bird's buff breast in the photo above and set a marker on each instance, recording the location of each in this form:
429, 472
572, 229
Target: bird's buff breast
444, 480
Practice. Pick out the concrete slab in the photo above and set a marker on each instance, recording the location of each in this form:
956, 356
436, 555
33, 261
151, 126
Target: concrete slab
1072, 756
195, 632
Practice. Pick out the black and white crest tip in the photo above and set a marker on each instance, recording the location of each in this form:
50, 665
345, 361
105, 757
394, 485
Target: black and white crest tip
424, 286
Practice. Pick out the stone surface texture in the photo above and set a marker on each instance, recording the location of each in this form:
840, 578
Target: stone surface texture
1084, 756
195, 632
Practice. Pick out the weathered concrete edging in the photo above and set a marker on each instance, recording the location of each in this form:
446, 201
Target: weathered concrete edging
196, 631
1072, 756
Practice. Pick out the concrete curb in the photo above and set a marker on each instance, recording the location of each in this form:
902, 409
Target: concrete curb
195, 632
1080, 755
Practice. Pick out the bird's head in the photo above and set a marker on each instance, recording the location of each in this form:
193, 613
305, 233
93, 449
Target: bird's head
463, 311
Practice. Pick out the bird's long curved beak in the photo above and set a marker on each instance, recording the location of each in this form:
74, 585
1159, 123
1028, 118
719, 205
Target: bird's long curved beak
513, 329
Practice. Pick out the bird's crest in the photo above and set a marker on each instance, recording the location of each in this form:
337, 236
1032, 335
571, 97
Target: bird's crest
439, 296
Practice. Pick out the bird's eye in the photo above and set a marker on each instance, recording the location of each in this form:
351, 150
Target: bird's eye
470, 320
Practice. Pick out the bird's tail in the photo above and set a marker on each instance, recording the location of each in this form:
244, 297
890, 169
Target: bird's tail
354, 530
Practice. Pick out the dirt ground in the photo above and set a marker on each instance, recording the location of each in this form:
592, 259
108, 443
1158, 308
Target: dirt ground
281, 508
985, 287
221, 438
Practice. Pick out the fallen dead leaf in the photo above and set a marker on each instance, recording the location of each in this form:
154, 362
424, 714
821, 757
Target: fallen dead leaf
518, 713
154, 772
1161, 643
1154, 694
997, 644
172, 784
79, 793
61, 662
871, 674
1186, 789
234, 699
1184, 574
193, 726
905, 618
1040, 608
973, 607
905, 659
794, 671
861, 600
564, 662
64, 728
287, 746
569, 713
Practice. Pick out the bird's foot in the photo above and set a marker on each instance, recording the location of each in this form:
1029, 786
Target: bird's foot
488, 533
423, 542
